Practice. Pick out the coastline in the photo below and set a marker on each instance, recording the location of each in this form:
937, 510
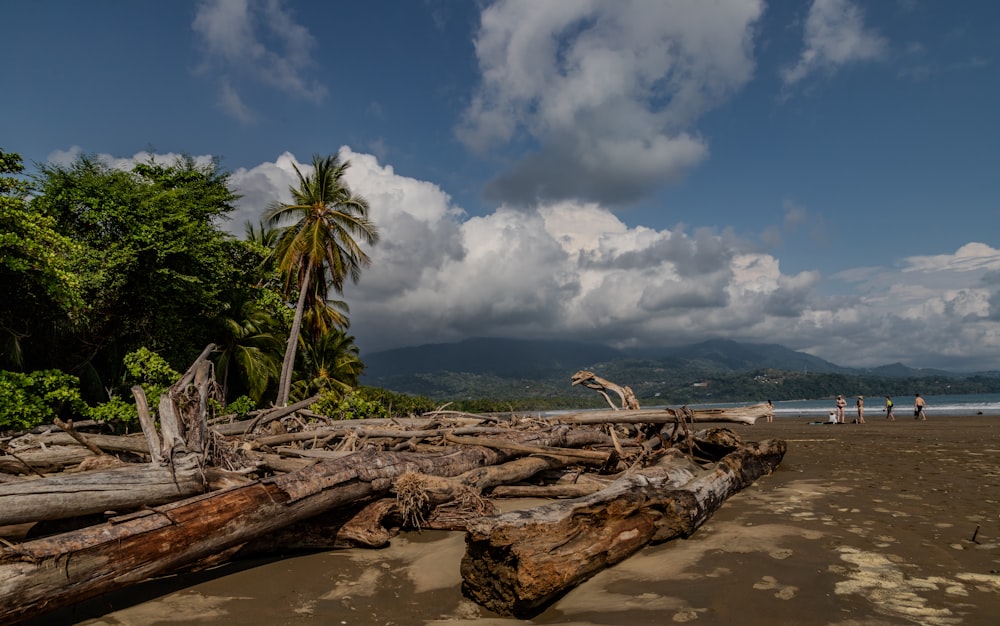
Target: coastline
863, 524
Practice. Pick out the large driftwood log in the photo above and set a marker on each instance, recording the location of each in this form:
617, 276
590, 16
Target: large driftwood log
742, 415
44, 574
519, 562
39, 462
122, 488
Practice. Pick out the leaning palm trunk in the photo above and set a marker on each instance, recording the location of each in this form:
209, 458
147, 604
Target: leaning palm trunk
288, 365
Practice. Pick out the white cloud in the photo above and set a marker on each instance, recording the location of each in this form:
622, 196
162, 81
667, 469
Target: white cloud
605, 93
835, 35
231, 102
574, 270
256, 42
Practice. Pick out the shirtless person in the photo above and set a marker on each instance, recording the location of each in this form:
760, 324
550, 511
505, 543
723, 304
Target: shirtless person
918, 408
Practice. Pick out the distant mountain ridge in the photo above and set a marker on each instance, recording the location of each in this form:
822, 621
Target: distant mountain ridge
502, 364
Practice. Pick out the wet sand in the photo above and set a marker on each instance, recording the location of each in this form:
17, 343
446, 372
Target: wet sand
861, 525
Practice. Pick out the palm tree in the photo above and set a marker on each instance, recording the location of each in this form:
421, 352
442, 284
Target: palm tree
331, 363
320, 246
248, 347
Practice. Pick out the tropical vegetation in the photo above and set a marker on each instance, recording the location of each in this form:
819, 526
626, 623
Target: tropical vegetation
319, 251
113, 277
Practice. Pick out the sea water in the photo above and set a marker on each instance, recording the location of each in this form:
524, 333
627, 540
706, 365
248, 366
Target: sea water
937, 406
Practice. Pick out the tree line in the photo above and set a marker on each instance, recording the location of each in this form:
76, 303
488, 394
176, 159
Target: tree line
112, 277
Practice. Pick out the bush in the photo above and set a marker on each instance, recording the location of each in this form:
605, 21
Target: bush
28, 400
350, 407
397, 404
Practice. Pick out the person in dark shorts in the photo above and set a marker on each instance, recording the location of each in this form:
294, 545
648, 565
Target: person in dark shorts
888, 410
918, 408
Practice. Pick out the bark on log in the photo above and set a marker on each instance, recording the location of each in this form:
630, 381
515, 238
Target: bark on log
44, 574
740, 415
518, 563
55, 459
108, 443
119, 489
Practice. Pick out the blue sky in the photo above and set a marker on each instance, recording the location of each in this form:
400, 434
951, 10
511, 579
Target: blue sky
823, 174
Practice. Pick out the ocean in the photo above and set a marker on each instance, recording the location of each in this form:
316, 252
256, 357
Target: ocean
937, 406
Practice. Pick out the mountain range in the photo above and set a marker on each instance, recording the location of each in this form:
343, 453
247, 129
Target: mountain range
511, 367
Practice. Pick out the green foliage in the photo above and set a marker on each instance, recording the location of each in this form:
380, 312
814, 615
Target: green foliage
117, 410
348, 407
241, 406
28, 400
249, 349
152, 265
397, 404
319, 251
146, 367
37, 283
330, 364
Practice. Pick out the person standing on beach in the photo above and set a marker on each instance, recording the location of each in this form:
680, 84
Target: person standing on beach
888, 409
841, 403
861, 409
918, 408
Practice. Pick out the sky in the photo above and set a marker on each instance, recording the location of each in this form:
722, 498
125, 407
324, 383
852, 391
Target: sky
820, 174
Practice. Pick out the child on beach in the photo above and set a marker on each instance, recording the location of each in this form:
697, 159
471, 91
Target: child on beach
918, 408
888, 409
861, 409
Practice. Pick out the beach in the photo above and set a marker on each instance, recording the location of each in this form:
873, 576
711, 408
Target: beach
862, 524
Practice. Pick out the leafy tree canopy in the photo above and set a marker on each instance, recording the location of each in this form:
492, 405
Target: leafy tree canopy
37, 281
152, 264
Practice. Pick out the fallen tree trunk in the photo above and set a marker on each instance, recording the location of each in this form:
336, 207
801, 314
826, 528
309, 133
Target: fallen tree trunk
112, 443
122, 488
520, 562
39, 462
741, 415
44, 574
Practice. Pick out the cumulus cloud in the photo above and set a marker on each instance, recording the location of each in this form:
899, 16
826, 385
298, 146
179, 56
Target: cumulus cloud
835, 35
256, 42
573, 270
604, 95
67, 157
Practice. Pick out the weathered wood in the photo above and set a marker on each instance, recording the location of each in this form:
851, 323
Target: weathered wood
55, 459
743, 415
69, 430
545, 491
108, 443
263, 418
122, 488
602, 386
519, 562
44, 574
147, 424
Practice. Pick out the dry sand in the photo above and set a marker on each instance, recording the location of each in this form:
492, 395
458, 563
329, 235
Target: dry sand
862, 525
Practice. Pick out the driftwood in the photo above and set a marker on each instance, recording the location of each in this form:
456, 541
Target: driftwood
43, 574
601, 386
742, 415
94, 492
519, 562
206, 490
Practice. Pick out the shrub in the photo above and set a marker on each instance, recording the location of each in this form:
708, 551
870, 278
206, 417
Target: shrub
349, 407
28, 400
